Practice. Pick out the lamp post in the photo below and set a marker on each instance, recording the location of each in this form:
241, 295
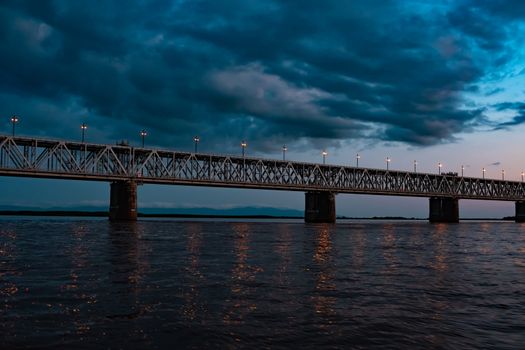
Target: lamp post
357, 157
14, 120
196, 140
484, 172
503, 175
415, 166
462, 170
83, 127
522, 175
324, 153
284, 152
143, 134
243, 147
387, 163
439, 168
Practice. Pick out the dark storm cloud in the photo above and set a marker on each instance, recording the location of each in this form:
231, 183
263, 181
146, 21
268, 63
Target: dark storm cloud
268, 71
519, 113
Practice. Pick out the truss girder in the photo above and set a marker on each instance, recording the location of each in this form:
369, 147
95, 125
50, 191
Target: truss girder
48, 158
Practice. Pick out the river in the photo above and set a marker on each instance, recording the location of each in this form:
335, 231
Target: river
89, 284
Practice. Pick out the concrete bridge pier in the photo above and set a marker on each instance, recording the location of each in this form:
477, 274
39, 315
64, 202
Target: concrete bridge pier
520, 211
123, 201
443, 209
319, 207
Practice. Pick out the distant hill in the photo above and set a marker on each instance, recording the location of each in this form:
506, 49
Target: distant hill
235, 211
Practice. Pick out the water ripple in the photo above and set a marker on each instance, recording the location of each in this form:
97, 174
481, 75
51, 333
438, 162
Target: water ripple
204, 284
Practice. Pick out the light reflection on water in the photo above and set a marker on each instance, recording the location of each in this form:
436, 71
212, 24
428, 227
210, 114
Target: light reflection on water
198, 284
323, 300
192, 306
440, 240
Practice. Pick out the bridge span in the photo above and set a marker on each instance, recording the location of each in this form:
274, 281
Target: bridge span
125, 167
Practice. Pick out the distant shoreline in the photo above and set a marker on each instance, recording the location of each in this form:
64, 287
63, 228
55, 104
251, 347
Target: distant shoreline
210, 216
144, 215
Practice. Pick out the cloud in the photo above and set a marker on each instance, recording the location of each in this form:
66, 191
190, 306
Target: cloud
519, 110
268, 71
251, 90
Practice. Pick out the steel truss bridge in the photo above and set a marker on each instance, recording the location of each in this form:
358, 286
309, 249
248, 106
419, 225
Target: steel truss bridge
32, 157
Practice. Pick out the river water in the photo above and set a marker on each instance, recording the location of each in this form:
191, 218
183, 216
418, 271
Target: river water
89, 284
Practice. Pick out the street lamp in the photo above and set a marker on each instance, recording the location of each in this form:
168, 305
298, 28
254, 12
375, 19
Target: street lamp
284, 152
387, 162
462, 170
503, 175
415, 166
143, 134
484, 172
324, 156
357, 157
522, 175
14, 120
243, 147
83, 127
439, 168
196, 139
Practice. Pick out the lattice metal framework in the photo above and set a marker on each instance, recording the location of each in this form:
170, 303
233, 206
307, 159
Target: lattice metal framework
84, 161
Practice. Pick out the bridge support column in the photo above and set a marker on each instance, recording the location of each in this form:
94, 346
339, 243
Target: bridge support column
123, 201
520, 211
443, 209
319, 207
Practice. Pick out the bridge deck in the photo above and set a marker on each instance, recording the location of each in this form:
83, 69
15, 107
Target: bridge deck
44, 158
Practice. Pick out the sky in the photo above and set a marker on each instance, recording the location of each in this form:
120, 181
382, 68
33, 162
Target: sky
408, 79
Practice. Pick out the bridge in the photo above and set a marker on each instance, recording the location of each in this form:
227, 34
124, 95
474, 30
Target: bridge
124, 167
